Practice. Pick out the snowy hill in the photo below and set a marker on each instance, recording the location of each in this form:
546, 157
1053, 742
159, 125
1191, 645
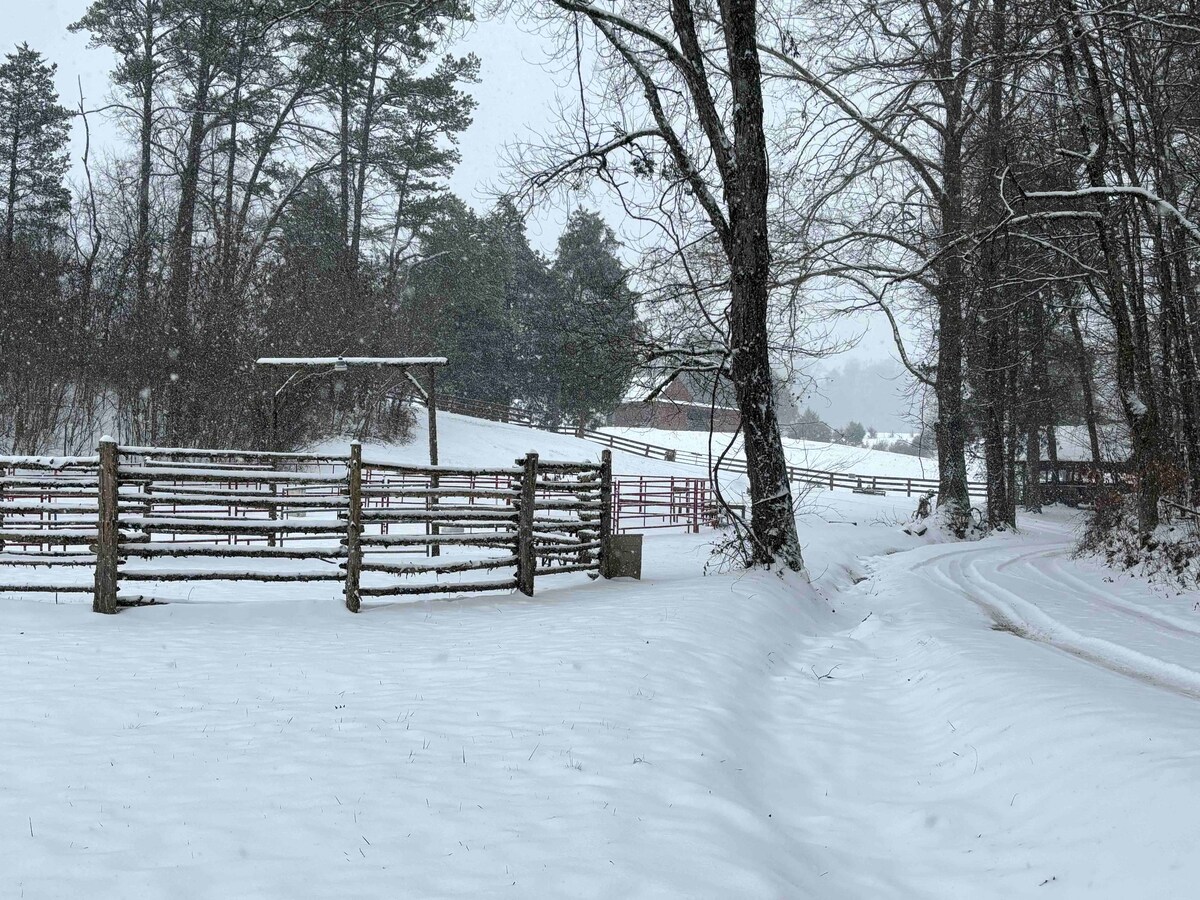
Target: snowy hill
804, 454
467, 441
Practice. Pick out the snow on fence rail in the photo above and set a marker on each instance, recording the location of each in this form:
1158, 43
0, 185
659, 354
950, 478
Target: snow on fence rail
48, 515
149, 515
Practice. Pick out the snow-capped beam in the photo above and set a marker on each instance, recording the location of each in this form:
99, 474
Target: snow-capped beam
380, 361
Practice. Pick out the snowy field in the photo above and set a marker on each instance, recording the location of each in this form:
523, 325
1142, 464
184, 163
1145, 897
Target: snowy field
467, 441
803, 454
989, 720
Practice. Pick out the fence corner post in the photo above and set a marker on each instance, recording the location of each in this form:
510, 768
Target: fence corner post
354, 528
606, 512
104, 596
526, 557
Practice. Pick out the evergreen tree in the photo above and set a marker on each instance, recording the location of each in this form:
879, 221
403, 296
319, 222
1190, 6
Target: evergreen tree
590, 357
853, 434
458, 301
810, 427
33, 143
38, 328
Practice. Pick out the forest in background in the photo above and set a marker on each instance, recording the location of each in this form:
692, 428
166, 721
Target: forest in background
280, 192
1012, 185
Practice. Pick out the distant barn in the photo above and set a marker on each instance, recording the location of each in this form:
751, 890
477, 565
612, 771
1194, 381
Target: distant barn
1075, 474
674, 409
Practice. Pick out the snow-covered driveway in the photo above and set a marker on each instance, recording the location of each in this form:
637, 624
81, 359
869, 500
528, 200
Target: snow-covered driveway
945, 757
1031, 586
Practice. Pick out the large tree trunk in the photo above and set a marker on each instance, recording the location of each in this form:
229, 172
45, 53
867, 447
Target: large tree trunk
13, 163
179, 362
145, 164
773, 522
1190, 358
1039, 405
364, 156
994, 395
1133, 376
229, 235
10, 210
951, 428
999, 370
1086, 387
344, 101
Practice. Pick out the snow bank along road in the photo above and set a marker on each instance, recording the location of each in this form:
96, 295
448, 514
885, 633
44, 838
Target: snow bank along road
738, 735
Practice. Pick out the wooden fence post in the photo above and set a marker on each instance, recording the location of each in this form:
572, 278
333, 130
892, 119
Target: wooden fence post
354, 528
104, 597
606, 510
526, 557
273, 514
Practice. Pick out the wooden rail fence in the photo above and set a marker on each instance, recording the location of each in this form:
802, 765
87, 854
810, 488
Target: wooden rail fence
147, 514
798, 474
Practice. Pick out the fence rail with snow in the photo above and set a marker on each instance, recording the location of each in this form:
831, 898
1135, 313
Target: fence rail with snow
141, 515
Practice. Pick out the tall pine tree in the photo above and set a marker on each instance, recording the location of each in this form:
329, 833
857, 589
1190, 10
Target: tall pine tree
33, 141
590, 340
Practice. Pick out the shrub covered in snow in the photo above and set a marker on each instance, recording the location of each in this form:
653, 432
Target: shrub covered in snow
1170, 553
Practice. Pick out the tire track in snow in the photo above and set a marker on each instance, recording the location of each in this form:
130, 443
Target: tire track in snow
961, 572
1118, 604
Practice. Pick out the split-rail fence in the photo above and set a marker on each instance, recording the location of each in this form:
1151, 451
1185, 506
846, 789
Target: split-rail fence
147, 514
853, 481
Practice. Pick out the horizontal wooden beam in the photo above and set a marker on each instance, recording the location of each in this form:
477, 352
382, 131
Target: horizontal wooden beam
502, 539
216, 575
562, 570
397, 468
409, 589
47, 484
440, 568
401, 493
134, 474
457, 511
154, 551
45, 588
255, 501
233, 527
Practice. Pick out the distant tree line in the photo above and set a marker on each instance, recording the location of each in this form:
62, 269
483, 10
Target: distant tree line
281, 193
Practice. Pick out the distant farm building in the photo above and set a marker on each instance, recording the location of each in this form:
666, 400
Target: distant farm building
1075, 475
674, 409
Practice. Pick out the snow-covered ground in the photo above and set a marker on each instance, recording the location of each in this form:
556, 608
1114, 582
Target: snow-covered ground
921, 721
467, 441
804, 454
